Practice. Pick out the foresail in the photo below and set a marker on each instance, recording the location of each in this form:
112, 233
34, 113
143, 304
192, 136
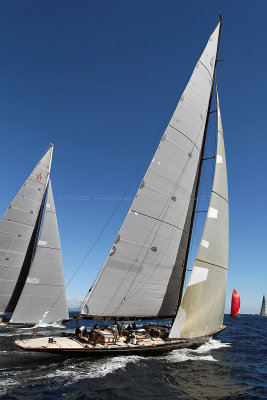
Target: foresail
202, 308
263, 312
134, 280
44, 289
18, 228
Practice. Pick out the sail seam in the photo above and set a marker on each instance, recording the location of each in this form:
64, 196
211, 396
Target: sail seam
183, 135
213, 191
220, 132
44, 284
208, 262
46, 247
160, 220
206, 69
16, 222
41, 183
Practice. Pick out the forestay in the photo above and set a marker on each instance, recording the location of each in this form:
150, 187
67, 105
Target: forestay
136, 274
17, 228
202, 308
44, 289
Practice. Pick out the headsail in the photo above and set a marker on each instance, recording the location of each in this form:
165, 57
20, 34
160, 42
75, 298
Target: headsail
235, 303
263, 312
135, 279
202, 308
44, 289
18, 230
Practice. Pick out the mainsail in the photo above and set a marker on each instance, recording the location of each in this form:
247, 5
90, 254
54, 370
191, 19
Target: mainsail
263, 312
202, 308
44, 289
143, 273
19, 231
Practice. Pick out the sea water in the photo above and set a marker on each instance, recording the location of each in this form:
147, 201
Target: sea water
231, 366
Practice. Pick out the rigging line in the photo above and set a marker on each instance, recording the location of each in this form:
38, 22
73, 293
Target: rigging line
159, 220
168, 201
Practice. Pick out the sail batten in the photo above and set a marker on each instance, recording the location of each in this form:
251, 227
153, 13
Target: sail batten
135, 277
202, 307
18, 230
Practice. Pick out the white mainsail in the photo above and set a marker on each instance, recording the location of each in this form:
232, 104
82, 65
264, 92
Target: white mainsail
202, 308
18, 230
44, 289
135, 279
263, 312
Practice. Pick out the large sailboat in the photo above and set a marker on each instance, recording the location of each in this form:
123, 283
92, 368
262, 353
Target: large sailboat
32, 284
144, 273
263, 312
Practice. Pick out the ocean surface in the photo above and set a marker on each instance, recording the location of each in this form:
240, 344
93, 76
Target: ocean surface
231, 366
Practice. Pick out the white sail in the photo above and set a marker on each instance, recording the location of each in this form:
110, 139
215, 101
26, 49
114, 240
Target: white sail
18, 229
202, 308
44, 289
263, 312
135, 277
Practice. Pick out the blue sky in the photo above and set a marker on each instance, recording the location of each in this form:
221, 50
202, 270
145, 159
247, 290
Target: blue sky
100, 79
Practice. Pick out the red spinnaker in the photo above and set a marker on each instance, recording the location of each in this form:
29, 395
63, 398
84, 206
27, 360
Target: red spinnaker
235, 303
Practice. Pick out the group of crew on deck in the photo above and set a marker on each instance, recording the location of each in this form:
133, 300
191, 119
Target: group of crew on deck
118, 330
130, 332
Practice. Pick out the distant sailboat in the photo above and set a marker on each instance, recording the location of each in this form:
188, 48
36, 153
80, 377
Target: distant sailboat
235, 304
263, 312
31, 271
144, 273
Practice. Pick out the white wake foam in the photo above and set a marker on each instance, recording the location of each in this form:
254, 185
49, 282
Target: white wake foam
89, 369
201, 353
212, 344
51, 325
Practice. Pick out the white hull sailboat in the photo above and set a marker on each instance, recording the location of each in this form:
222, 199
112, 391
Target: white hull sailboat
144, 274
32, 288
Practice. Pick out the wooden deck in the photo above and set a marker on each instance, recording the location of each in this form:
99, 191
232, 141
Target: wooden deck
74, 343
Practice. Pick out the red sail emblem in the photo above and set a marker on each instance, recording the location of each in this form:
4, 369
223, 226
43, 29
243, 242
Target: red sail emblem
39, 177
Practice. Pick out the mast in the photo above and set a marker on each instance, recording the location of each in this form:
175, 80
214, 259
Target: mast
198, 176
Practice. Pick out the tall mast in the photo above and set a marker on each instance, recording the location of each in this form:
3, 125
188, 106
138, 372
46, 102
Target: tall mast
199, 174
